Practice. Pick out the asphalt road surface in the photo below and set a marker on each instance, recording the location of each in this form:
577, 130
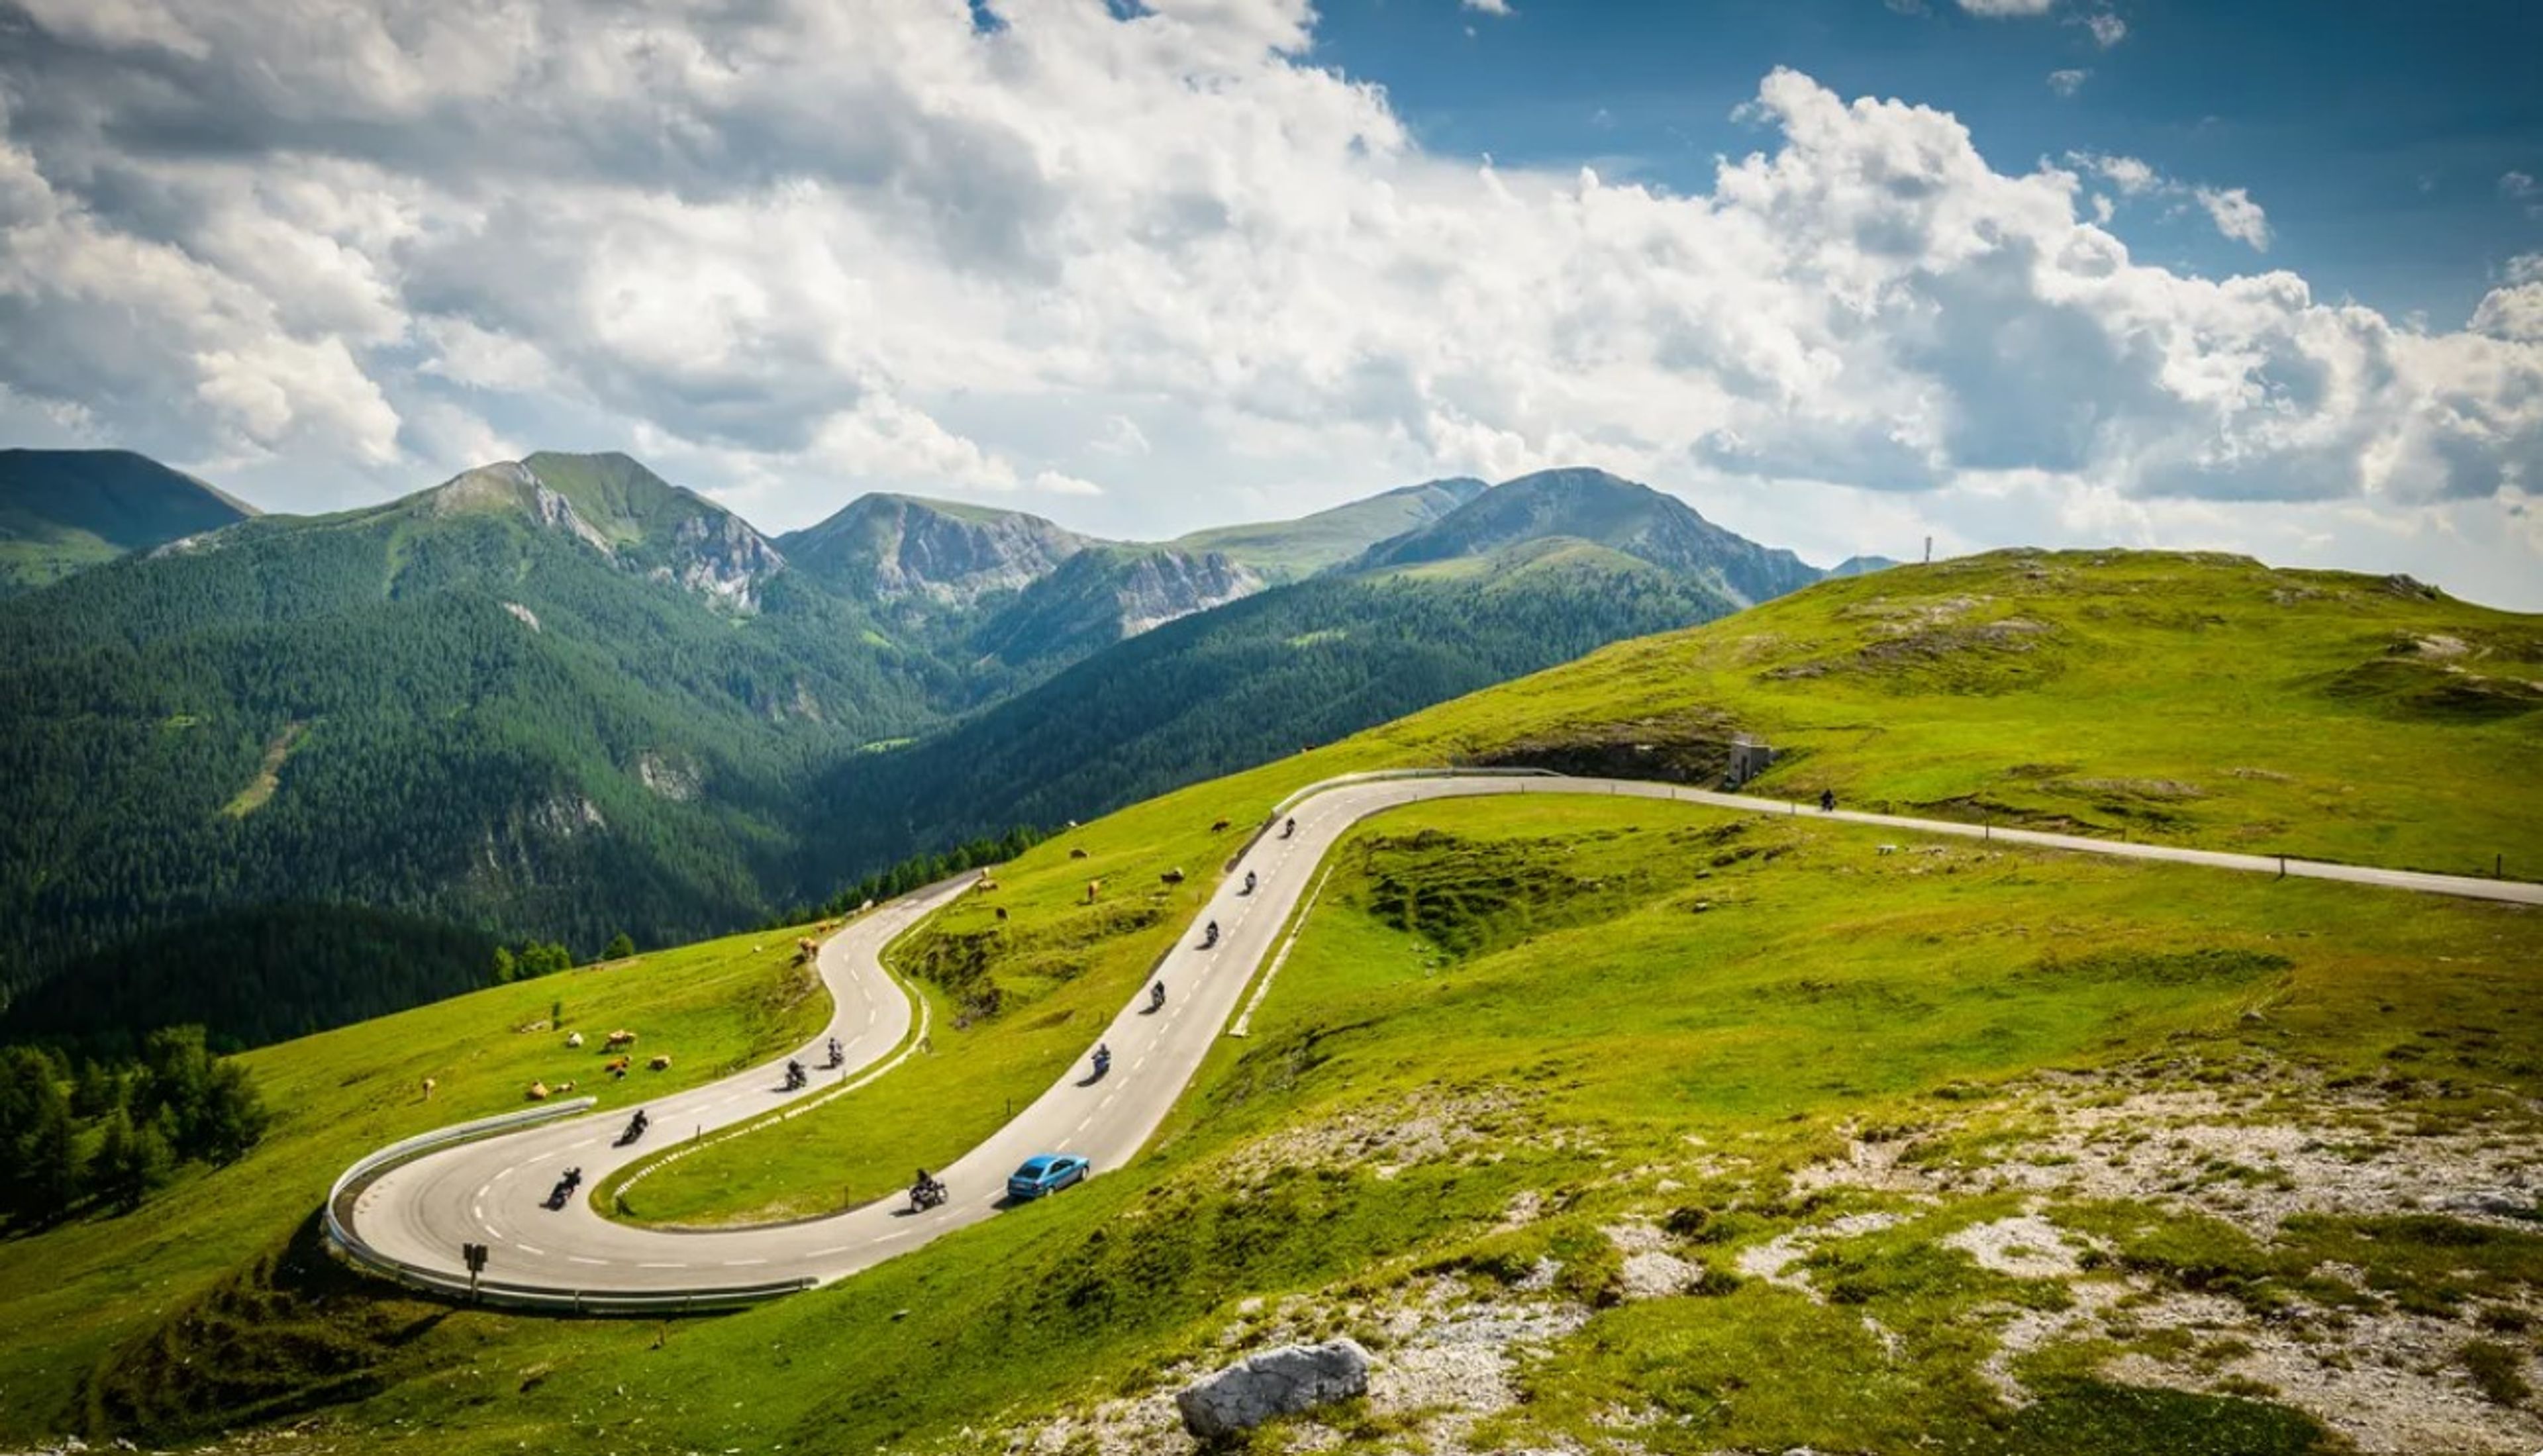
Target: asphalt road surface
492, 1192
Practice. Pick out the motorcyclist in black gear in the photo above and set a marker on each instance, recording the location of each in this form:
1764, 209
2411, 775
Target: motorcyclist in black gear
1156, 994
1209, 935
1103, 1058
1248, 881
794, 1075
1289, 828
927, 1193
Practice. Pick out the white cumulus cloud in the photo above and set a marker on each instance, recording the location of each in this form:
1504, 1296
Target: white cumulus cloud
2236, 215
1152, 248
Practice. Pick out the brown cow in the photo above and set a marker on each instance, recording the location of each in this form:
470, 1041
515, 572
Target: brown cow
1218, 828
1078, 853
616, 1064
1094, 888
618, 1040
538, 1091
661, 1062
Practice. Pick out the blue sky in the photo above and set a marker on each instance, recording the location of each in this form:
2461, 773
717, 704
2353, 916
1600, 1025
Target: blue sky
2256, 277
2375, 135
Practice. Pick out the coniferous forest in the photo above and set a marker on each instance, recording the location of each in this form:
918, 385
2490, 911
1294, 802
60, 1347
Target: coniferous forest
306, 771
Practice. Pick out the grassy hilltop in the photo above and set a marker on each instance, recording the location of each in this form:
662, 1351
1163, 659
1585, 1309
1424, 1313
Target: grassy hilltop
1596, 1120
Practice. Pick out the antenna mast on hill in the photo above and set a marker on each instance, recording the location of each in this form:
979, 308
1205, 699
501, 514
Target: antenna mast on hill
1929, 551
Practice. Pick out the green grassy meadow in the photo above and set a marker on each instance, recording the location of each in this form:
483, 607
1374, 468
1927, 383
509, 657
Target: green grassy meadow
1537, 971
77, 1290
1627, 1011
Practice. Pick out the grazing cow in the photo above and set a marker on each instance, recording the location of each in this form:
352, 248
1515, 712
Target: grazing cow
1002, 912
661, 1062
1219, 827
1078, 853
616, 1064
428, 1085
564, 1088
806, 948
1173, 876
574, 1040
538, 1091
1094, 888
620, 1038
1888, 849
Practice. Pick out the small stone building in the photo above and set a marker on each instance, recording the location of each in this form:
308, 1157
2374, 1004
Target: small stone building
1749, 757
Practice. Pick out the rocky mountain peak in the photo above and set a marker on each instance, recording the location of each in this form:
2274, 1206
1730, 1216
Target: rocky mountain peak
895, 548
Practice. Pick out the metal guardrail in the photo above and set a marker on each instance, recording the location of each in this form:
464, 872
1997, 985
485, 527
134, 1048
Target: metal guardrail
346, 1242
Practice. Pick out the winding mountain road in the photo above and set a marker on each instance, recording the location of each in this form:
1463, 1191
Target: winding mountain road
416, 1216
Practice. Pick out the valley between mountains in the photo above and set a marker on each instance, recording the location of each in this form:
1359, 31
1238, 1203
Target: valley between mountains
561, 699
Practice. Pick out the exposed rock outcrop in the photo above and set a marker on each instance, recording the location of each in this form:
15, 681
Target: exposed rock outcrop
893, 549
1278, 1382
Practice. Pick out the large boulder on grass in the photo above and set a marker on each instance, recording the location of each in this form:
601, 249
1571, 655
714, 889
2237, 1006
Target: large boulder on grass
1278, 1382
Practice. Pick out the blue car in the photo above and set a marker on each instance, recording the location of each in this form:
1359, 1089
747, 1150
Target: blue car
1046, 1173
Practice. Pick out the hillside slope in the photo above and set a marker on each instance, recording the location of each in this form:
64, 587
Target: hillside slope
556, 698
2195, 698
1602, 510
61, 510
1247, 683
1597, 1122
1288, 550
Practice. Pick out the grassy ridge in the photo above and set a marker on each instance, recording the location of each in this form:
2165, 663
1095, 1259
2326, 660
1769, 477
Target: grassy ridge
2187, 699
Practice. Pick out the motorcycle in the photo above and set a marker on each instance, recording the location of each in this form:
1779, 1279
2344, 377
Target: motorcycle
636, 1126
838, 1053
1289, 828
1248, 881
1157, 996
565, 1186
926, 1193
794, 1077
1103, 1060
1209, 935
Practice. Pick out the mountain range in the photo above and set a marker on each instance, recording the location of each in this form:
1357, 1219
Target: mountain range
561, 698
